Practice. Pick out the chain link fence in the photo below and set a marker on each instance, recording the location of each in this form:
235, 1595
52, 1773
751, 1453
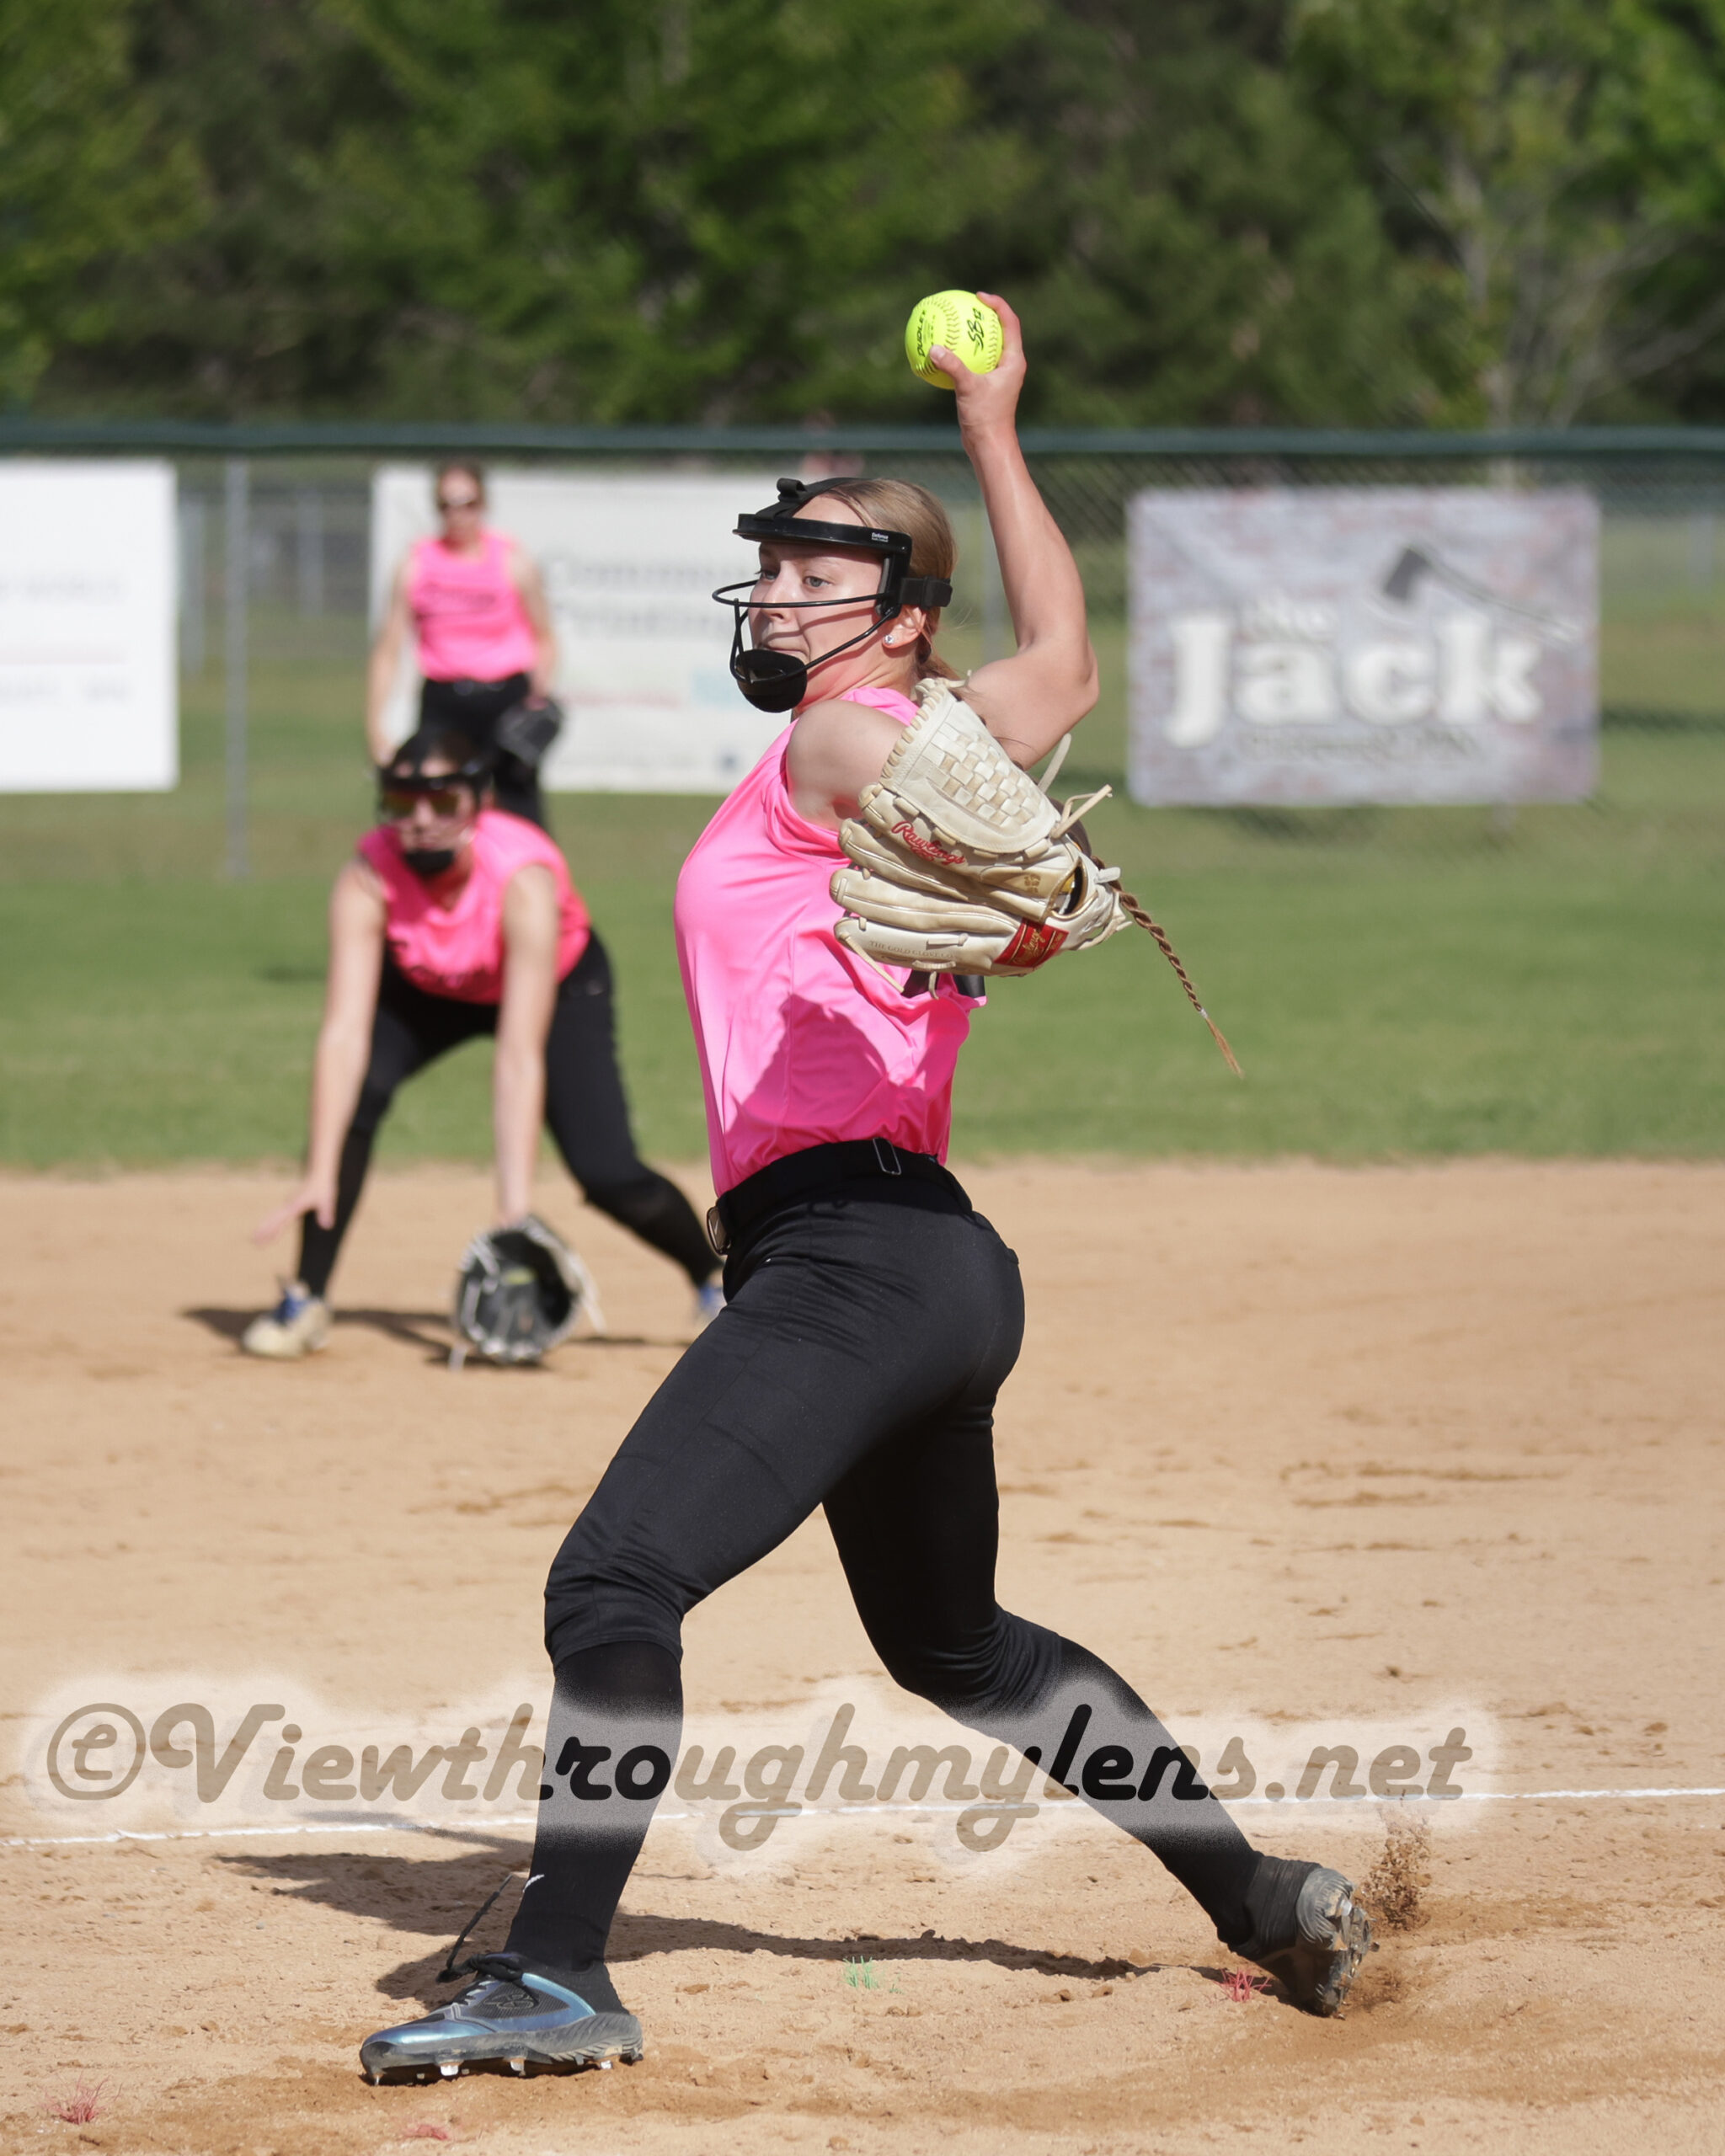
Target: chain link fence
274, 564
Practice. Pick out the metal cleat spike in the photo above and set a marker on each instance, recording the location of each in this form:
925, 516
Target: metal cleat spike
603, 2064
449, 2068
518, 2066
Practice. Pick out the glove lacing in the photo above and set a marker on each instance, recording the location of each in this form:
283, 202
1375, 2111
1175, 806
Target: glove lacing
1071, 817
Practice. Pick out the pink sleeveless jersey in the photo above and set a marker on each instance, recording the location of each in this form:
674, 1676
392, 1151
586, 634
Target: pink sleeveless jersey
471, 624
459, 953
801, 1042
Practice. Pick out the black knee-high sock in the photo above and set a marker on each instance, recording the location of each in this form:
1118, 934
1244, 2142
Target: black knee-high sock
320, 1247
657, 1212
1084, 1726
1184, 1826
611, 1747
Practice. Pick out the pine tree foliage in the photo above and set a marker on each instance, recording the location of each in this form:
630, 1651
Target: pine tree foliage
1374, 211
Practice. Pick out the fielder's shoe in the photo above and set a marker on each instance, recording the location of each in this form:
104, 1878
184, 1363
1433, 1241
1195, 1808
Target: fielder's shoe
512, 2013
709, 1301
299, 1325
1308, 1930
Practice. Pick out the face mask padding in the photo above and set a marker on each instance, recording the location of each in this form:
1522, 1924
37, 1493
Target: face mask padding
428, 863
775, 681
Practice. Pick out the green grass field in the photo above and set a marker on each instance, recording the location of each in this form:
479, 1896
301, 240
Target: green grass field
1397, 982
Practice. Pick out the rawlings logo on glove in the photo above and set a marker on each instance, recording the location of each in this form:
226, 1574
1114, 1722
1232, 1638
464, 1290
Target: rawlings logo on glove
962, 864
926, 847
1029, 947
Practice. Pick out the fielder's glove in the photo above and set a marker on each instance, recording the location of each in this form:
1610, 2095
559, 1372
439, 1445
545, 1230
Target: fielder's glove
519, 1292
962, 864
525, 731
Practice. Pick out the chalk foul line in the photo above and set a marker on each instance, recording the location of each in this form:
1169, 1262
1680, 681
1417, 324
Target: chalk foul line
459, 1829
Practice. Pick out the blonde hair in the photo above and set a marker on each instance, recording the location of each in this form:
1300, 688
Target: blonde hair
475, 473
901, 506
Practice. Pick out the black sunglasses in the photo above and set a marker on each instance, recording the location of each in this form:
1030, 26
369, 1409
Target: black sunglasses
397, 803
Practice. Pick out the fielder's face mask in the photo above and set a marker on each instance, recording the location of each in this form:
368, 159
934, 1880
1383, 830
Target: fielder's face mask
404, 783
778, 681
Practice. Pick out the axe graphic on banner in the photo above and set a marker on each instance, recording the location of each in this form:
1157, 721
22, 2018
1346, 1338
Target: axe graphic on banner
1415, 564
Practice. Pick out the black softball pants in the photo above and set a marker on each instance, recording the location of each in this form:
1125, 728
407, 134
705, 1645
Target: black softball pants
867, 1330
473, 708
585, 1110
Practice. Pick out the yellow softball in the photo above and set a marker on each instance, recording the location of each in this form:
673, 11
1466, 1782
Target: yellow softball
964, 324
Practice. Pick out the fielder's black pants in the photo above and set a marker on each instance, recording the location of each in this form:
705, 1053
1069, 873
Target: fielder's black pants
585, 1110
473, 708
869, 1327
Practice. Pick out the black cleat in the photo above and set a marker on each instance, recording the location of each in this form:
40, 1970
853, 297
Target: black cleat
1308, 1931
510, 2015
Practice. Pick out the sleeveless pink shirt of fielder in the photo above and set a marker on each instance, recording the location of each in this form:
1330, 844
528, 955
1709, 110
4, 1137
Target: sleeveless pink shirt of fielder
801, 1042
459, 953
471, 622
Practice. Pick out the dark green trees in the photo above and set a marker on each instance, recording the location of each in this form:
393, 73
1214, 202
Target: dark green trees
1346, 211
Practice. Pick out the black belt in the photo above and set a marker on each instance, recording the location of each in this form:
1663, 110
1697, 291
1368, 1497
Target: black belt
818, 1168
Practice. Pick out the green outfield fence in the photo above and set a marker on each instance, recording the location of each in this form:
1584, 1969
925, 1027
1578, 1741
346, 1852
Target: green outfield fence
274, 550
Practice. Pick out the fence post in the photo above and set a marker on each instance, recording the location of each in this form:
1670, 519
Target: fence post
308, 529
238, 577
1701, 550
192, 583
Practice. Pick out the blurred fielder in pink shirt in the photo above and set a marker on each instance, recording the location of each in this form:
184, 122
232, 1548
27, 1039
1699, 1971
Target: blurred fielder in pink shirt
475, 604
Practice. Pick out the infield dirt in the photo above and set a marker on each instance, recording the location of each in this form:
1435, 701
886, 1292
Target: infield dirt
1287, 1442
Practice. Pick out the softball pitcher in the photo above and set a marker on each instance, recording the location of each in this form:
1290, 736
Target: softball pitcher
888, 846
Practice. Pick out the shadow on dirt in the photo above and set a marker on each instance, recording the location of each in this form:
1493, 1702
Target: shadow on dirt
437, 1896
418, 1328
427, 1329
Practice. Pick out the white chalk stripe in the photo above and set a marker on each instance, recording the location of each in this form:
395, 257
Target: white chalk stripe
1476, 1796
453, 1827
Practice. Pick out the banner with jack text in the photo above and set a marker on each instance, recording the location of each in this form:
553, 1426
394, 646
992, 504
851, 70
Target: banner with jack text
1307, 646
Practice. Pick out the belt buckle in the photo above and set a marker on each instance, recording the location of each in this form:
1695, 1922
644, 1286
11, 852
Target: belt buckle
716, 1235
886, 1153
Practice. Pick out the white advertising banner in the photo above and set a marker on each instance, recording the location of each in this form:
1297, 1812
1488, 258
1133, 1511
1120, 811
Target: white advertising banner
1320, 644
629, 564
89, 690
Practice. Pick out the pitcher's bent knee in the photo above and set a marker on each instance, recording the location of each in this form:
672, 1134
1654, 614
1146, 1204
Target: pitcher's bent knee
1005, 1668
593, 1602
